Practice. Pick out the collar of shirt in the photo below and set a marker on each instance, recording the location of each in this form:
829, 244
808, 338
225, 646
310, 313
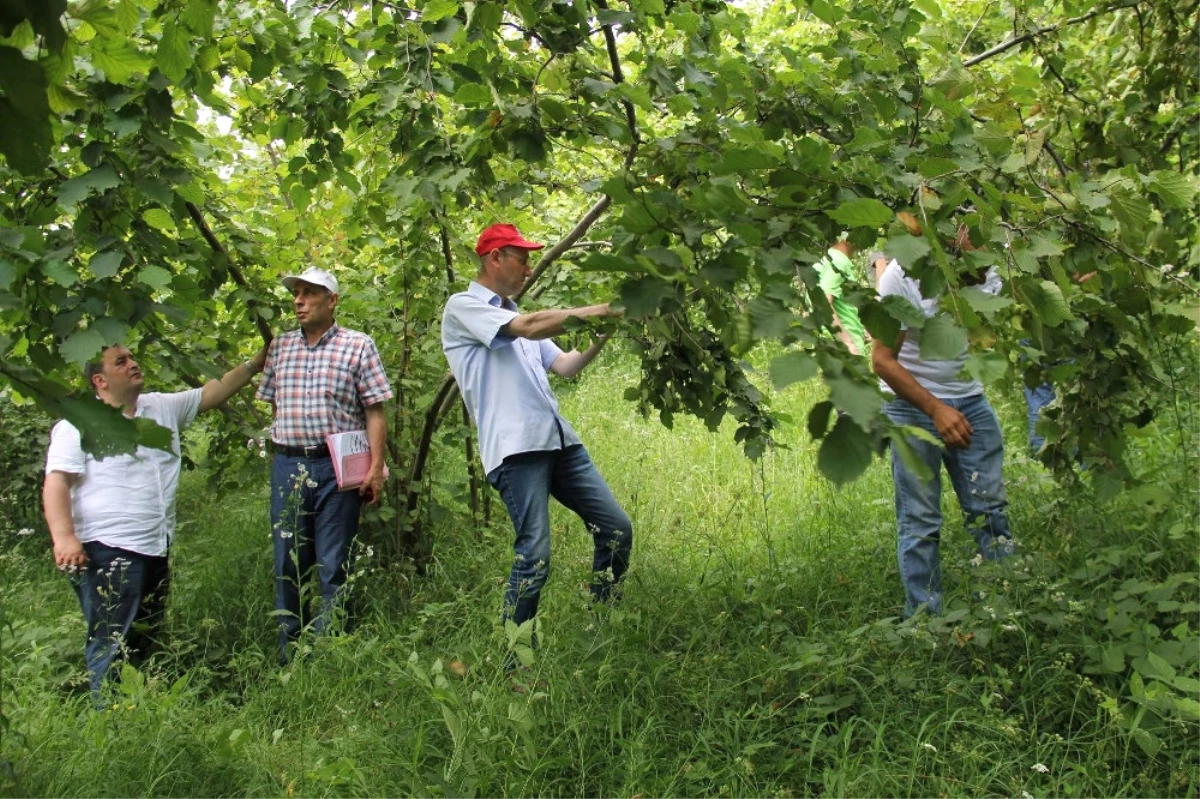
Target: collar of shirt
490, 297
325, 338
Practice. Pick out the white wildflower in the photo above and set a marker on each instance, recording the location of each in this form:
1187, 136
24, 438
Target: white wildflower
25, 531
930, 747
977, 560
1040, 768
310, 483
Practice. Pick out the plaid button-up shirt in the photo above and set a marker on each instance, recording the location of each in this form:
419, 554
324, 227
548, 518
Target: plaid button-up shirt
321, 389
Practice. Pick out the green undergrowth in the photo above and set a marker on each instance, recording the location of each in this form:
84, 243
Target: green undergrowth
758, 650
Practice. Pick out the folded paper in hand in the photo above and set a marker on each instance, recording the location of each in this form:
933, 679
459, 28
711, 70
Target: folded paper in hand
351, 454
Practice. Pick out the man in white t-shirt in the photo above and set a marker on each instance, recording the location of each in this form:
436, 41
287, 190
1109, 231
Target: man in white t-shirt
934, 395
112, 520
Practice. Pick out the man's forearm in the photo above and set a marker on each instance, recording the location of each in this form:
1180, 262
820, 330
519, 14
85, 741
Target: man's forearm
56, 505
547, 324
903, 383
377, 435
572, 363
216, 392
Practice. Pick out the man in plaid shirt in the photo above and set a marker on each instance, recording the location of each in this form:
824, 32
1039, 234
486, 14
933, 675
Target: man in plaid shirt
320, 379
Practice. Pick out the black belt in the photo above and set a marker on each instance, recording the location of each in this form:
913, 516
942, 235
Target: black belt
315, 451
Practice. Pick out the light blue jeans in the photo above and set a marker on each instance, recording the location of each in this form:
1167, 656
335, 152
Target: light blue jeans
976, 473
526, 482
1036, 399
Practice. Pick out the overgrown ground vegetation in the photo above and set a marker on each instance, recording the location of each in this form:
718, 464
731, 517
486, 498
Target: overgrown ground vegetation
758, 651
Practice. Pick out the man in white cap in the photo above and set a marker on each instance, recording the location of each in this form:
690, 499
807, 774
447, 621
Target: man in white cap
112, 520
530, 453
320, 379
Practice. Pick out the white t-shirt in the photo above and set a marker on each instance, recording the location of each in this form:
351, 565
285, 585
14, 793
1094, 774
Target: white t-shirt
127, 501
942, 379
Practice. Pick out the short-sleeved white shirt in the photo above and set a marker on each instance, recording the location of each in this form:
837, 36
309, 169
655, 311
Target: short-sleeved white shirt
127, 501
942, 379
502, 378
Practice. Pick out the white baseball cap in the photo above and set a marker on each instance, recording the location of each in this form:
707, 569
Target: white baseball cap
318, 277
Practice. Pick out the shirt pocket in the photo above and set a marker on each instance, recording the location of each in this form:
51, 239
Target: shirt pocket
339, 383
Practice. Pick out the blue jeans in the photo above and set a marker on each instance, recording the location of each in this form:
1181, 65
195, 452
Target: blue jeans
123, 596
1036, 399
976, 473
312, 524
526, 482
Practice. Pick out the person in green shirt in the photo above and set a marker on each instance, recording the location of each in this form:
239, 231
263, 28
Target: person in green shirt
835, 270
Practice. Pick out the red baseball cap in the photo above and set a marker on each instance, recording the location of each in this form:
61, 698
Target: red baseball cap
503, 235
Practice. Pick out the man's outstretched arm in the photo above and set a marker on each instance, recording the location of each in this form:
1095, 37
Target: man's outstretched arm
547, 324
215, 392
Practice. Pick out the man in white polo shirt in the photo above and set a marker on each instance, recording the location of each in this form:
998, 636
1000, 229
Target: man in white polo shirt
112, 520
935, 396
530, 453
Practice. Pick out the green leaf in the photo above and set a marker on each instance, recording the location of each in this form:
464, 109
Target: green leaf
740, 160
1176, 189
60, 272
983, 302
902, 445
120, 60
942, 339
25, 136
861, 401
845, 453
155, 277
106, 264
606, 262
101, 178
198, 17
1132, 212
82, 345
642, 296
986, 367
435, 10
903, 311
474, 95
863, 212
111, 330
879, 323
1049, 304
907, 249
792, 367
174, 55
993, 138
1155, 667
159, 219
818, 419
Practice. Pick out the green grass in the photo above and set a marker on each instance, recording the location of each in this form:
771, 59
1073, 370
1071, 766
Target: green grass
758, 650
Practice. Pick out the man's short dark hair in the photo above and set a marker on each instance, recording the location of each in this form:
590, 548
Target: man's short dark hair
95, 366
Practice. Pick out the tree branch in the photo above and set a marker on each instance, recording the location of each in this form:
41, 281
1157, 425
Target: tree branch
263, 328
1042, 31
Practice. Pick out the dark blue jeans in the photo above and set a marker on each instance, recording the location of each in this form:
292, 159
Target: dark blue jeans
526, 482
976, 473
313, 525
124, 598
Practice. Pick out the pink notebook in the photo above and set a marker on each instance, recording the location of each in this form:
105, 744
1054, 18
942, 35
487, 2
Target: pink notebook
351, 453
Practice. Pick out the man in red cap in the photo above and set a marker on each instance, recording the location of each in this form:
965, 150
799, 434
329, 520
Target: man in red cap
530, 453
